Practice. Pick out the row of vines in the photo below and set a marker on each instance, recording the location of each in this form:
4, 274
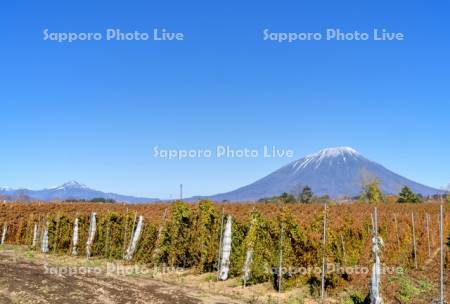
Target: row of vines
188, 235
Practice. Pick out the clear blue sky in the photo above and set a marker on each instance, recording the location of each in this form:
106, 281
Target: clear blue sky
93, 111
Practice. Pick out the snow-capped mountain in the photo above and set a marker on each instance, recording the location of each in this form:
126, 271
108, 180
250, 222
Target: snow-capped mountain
337, 172
70, 190
70, 185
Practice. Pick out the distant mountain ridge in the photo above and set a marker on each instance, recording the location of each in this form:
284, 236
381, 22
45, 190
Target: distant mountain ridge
70, 190
337, 172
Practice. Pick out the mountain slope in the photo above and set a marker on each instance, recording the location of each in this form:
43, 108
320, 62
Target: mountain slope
71, 190
336, 172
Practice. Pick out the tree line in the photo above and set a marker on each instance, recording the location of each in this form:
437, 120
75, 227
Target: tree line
371, 193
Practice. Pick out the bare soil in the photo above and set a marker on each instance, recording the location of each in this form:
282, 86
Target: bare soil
26, 277
25, 280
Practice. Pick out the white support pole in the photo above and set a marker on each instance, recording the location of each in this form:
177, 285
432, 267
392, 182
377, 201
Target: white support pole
5, 229
75, 238
131, 234
226, 250
92, 229
248, 256
35, 236
44, 241
220, 245
247, 266
135, 236
377, 243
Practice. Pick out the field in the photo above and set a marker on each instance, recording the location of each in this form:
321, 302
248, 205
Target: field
186, 237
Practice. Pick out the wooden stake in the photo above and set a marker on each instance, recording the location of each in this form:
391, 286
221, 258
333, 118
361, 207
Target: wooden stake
155, 257
280, 266
343, 247
427, 217
324, 239
108, 228
373, 223
55, 243
18, 232
441, 232
125, 233
387, 230
375, 227
396, 230
414, 240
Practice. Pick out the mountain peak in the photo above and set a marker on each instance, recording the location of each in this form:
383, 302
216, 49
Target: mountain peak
336, 172
335, 151
327, 154
72, 184
72, 190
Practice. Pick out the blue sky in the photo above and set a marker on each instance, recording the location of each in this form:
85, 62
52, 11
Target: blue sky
94, 111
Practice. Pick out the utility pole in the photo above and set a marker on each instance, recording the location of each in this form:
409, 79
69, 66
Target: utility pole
181, 191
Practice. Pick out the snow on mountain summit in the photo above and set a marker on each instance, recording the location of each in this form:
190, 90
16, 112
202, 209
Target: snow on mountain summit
74, 184
71, 184
336, 151
324, 154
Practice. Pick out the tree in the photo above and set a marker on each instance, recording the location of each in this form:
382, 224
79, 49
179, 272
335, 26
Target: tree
372, 193
102, 200
407, 196
288, 198
306, 195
